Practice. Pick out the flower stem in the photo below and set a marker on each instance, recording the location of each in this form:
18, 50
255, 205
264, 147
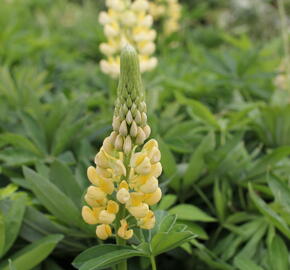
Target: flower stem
153, 263
120, 241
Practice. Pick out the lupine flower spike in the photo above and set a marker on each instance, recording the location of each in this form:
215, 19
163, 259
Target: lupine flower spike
126, 22
124, 182
169, 11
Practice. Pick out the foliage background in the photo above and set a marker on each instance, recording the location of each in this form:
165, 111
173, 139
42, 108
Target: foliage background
218, 104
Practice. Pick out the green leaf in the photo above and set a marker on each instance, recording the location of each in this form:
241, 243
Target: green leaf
269, 161
20, 142
13, 212
281, 192
191, 213
104, 256
245, 264
162, 242
34, 130
219, 200
196, 163
53, 199
167, 223
33, 254
272, 216
63, 178
200, 110
278, 254
167, 201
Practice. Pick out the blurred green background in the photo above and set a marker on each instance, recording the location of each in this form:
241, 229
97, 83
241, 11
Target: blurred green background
218, 104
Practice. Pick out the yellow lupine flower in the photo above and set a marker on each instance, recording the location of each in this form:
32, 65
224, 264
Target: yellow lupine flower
127, 22
123, 231
148, 221
169, 11
103, 231
91, 216
124, 181
153, 198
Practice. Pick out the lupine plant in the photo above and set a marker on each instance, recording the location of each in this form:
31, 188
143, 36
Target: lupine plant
124, 183
125, 22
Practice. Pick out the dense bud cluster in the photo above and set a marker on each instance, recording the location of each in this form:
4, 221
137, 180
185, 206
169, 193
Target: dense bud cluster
169, 11
127, 22
125, 180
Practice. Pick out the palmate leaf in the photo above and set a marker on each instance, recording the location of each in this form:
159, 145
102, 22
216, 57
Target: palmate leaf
33, 254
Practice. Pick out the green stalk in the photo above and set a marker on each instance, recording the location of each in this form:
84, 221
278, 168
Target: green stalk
153, 263
120, 241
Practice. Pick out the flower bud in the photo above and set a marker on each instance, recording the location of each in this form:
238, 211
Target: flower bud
103, 231
138, 118
140, 136
147, 131
123, 195
106, 217
150, 186
113, 137
127, 147
123, 128
133, 129
129, 118
119, 142
116, 123
154, 197
143, 118
139, 211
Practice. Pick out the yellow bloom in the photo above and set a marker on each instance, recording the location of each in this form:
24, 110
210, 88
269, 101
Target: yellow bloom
123, 231
148, 221
91, 216
139, 211
127, 22
103, 231
153, 198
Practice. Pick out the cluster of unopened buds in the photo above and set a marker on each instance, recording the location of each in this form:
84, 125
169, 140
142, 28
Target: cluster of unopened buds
169, 11
127, 22
124, 180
